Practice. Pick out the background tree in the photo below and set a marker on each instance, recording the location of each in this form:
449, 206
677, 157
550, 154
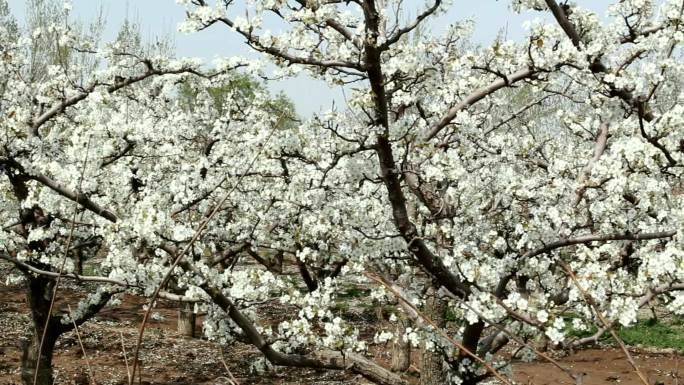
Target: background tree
55, 152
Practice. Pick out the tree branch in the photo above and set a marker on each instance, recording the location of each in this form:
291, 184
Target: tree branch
564, 22
403, 31
37, 122
645, 299
476, 96
79, 198
326, 359
599, 238
26, 268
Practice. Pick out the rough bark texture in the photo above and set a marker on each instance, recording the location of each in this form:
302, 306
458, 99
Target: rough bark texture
38, 297
30, 358
432, 370
401, 350
186, 319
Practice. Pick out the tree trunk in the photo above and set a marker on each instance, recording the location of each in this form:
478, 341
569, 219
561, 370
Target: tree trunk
186, 319
30, 358
432, 370
401, 350
38, 293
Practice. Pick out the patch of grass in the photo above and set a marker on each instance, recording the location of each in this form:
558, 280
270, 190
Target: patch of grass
655, 334
90, 269
650, 333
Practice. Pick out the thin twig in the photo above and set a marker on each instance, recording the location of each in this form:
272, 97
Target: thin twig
232, 379
590, 301
125, 356
80, 343
90, 278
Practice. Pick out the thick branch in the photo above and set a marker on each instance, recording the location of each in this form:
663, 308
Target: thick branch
427, 194
90, 311
323, 360
598, 238
476, 96
596, 66
562, 19
64, 104
58, 108
79, 198
599, 149
26, 268
388, 168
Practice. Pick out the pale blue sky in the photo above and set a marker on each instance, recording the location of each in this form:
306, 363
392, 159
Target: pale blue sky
161, 17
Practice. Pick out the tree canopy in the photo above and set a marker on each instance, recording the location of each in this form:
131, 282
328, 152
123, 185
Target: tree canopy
527, 185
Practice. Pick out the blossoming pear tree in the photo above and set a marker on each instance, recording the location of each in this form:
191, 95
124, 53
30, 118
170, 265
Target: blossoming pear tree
84, 127
530, 184
521, 187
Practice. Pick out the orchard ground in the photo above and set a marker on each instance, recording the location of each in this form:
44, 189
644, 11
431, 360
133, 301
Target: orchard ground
171, 359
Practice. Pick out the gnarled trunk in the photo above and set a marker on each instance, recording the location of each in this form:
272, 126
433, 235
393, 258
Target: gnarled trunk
30, 358
39, 290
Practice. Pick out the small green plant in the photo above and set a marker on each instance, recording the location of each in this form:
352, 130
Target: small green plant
90, 269
342, 307
450, 315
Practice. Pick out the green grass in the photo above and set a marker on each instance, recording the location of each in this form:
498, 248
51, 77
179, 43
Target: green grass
655, 334
90, 269
651, 333
342, 307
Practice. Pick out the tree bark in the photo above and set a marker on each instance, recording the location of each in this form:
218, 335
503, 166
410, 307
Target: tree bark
38, 294
401, 350
30, 358
432, 370
39, 291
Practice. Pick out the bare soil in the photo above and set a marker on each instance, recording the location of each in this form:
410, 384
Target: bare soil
169, 359
604, 367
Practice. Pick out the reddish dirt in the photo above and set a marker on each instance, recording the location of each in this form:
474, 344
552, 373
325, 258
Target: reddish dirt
603, 367
172, 360
168, 359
